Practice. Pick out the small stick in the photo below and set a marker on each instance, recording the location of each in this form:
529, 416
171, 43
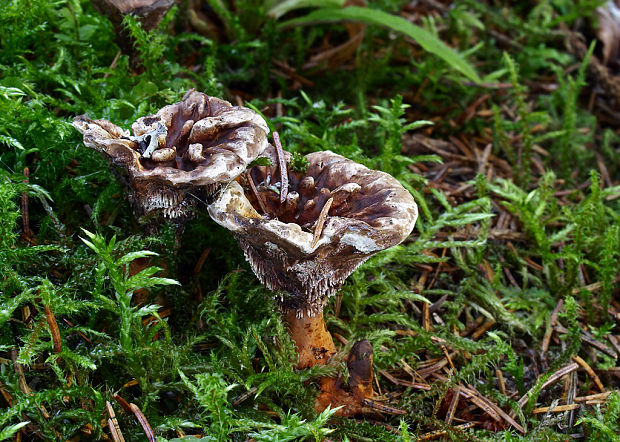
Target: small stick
114, 62
480, 331
115, 429
558, 409
447, 355
593, 397
453, 404
426, 317
591, 287
6, 395
432, 368
552, 380
255, 192
82, 335
589, 340
500, 381
443, 254
148, 431
201, 261
51, 321
283, 169
123, 403
19, 370
406, 384
321, 221
437, 433
552, 320
383, 408
485, 404
243, 396
570, 393
590, 372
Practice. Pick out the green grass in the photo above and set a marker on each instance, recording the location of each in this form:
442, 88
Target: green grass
219, 335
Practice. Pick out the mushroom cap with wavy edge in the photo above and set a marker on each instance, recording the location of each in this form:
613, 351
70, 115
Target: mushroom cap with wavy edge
370, 211
195, 146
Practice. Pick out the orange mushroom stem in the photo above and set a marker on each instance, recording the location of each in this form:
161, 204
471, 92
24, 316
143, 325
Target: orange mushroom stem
314, 342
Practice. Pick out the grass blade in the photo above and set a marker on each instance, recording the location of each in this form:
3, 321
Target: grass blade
424, 38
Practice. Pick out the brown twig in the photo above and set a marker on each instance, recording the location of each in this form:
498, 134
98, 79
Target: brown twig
500, 381
243, 396
592, 287
453, 404
438, 433
321, 221
201, 261
558, 409
489, 407
254, 190
594, 397
550, 381
123, 403
148, 431
590, 372
406, 384
53, 325
589, 340
115, 429
382, 408
552, 320
283, 168
483, 329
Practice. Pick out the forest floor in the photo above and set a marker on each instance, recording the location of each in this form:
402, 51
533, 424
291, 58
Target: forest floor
497, 319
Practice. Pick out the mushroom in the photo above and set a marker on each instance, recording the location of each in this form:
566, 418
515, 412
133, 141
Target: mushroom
335, 216
182, 154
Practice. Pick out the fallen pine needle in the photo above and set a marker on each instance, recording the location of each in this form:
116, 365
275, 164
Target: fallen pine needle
558, 409
438, 433
594, 397
255, 192
321, 221
148, 431
115, 429
283, 169
53, 325
552, 380
590, 372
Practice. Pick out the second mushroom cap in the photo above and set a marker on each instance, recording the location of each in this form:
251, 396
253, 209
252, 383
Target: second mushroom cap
183, 153
367, 211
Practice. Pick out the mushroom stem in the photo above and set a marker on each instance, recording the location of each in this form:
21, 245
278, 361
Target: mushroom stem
314, 343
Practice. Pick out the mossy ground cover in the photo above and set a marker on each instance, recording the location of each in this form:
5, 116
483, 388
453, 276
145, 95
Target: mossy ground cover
504, 300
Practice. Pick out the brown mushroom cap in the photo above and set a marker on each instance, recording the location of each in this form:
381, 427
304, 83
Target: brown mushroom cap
197, 145
370, 211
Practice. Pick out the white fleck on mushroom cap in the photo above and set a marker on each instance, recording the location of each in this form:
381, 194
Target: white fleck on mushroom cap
199, 144
371, 211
